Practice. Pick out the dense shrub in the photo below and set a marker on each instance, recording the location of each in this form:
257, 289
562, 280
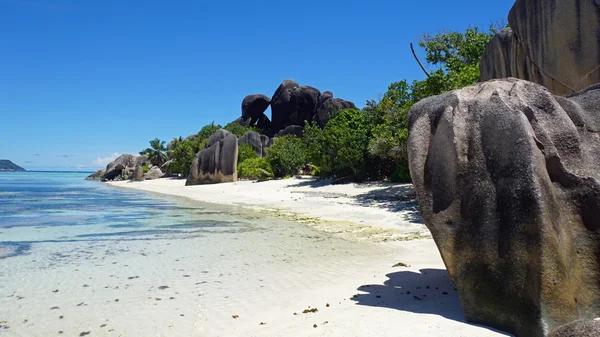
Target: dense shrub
183, 154
208, 130
245, 152
255, 168
287, 155
340, 148
238, 130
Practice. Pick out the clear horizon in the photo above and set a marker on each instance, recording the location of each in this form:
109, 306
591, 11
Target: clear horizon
83, 82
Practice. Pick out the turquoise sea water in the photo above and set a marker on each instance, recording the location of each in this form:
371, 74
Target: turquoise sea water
58, 207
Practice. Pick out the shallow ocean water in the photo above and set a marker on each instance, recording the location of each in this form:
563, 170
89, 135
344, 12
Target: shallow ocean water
79, 256
60, 208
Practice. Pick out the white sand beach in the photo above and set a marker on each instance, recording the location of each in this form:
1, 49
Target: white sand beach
370, 211
347, 273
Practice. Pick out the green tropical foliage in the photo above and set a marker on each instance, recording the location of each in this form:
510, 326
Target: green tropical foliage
287, 155
239, 130
245, 152
339, 149
183, 154
208, 130
255, 169
156, 153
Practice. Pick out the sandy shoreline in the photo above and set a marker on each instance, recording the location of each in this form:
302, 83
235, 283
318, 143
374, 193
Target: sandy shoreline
373, 211
154, 265
367, 297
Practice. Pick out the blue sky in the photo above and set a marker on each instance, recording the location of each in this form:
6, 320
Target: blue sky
82, 81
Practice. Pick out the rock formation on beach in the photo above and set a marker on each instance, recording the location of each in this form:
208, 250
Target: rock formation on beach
507, 180
217, 162
98, 175
291, 105
124, 167
154, 173
554, 43
7, 165
116, 167
254, 106
258, 142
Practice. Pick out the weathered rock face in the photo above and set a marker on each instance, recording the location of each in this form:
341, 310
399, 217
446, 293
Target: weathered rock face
138, 173
257, 141
115, 167
507, 179
244, 120
171, 145
294, 130
97, 176
265, 125
293, 104
190, 137
280, 103
166, 168
554, 43
141, 160
217, 162
254, 106
322, 114
581, 328
154, 173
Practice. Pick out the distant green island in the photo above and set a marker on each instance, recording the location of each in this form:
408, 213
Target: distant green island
7, 165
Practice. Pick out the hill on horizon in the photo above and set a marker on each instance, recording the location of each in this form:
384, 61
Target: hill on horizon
7, 165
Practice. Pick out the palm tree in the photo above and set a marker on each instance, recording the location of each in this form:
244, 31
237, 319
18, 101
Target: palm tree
156, 152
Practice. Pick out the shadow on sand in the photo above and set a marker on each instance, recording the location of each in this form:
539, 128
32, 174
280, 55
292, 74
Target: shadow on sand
429, 292
388, 196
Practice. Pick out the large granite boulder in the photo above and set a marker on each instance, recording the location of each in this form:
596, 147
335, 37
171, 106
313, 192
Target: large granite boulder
166, 168
217, 162
507, 180
280, 102
265, 125
323, 112
191, 137
255, 140
138, 173
154, 173
141, 160
244, 120
171, 146
294, 130
254, 106
580, 328
551, 42
293, 104
325, 95
97, 176
115, 168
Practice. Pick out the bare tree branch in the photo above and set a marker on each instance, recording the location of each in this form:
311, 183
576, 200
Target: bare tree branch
416, 58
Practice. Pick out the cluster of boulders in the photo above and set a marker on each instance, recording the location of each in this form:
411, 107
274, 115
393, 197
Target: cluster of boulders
127, 167
291, 105
551, 42
507, 174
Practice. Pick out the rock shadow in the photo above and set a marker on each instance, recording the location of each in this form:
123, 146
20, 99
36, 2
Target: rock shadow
395, 198
429, 291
